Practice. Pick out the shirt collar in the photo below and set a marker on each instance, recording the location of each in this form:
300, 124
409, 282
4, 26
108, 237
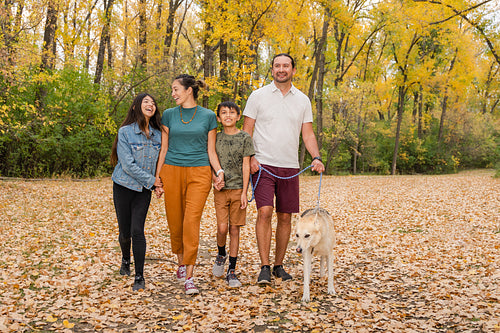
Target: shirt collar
292, 90
137, 130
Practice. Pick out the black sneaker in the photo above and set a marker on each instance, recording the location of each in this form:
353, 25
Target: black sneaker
264, 276
125, 268
279, 272
139, 283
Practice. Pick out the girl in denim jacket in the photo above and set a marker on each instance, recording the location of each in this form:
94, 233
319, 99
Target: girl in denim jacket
135, 155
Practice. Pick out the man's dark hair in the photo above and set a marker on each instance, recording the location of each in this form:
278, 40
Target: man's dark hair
286, 55
228, 104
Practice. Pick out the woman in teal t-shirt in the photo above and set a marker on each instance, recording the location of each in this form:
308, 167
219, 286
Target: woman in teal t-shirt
185, 164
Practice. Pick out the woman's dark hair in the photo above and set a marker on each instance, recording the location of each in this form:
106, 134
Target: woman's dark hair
283, 55
135, 115
228, 104
188, 81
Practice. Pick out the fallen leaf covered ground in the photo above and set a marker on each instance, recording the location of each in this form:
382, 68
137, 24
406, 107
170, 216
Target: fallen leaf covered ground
414, 254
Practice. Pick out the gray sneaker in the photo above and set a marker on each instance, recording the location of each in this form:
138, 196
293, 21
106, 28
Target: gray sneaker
232, 280
218, 269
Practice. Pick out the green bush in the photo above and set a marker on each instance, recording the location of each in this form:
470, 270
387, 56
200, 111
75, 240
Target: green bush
71, 134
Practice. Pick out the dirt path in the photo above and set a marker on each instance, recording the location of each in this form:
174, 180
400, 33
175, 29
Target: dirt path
414, 253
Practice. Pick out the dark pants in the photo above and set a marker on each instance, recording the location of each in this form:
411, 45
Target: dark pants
131, 210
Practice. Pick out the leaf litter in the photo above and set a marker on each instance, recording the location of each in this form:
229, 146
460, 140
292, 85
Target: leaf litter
414, 254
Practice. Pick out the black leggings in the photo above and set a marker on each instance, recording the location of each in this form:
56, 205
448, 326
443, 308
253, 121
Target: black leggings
131, 210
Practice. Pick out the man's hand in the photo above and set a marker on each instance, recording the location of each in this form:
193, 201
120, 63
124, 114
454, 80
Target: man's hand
317, 166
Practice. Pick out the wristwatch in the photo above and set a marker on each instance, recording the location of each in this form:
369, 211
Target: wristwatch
218, 172
317, 158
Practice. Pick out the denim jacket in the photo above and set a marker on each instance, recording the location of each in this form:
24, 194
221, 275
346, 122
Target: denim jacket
137, 157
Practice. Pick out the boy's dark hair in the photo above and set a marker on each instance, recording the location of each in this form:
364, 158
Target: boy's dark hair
283, 55
228, 104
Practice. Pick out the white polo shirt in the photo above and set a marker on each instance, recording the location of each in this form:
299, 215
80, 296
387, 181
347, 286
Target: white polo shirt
278, 124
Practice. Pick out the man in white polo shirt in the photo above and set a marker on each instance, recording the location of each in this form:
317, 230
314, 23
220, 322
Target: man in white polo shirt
275, 116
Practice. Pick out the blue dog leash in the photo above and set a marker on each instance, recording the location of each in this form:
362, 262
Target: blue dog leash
279, 177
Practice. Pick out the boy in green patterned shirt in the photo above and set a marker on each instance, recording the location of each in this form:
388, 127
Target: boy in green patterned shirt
234, 149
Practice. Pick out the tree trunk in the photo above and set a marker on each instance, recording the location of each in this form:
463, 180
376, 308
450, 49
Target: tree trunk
414, 113
88, 47
401, 104
420, 112
49, 42
143, 37
5, 25
125, 37
224, 74
316, 84
179, 29
321, 77
48, 52
103, 41
207, 58
444, 105
173, 5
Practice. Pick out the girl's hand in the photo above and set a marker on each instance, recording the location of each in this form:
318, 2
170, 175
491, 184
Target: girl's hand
158, 182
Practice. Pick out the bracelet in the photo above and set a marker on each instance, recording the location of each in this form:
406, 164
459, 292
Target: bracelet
219, 171
317, 158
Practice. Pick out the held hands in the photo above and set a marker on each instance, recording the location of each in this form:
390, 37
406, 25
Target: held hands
218, 181
158, 188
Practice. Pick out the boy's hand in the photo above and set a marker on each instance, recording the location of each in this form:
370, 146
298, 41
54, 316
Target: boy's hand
244, 200
254, 165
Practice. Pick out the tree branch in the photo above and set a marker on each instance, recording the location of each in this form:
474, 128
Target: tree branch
463, 15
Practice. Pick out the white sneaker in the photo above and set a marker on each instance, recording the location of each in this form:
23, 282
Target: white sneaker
232, 280
218, 269
190, 288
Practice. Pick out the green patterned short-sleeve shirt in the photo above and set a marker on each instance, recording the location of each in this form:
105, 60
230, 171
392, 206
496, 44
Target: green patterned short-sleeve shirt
231, 149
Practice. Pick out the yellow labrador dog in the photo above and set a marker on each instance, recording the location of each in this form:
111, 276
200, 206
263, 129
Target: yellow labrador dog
316, 236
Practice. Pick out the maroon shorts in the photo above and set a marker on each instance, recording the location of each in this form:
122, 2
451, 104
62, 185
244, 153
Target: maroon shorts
285, 190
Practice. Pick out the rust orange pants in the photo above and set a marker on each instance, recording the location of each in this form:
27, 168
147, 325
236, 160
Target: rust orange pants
186, 191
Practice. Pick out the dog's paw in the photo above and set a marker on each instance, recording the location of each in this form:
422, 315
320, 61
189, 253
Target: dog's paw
306, 298
332, 292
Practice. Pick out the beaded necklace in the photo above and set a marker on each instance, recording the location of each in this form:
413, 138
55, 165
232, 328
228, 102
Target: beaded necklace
190, 120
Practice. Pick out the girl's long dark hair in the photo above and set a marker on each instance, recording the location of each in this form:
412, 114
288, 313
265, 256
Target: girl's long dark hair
135, 115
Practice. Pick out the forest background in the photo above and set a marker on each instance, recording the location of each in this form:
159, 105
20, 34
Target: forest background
397, 86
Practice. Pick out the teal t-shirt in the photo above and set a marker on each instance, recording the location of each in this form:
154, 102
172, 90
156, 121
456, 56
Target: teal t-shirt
187, 143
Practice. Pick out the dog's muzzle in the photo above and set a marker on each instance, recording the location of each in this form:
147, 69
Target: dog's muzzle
299, 249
